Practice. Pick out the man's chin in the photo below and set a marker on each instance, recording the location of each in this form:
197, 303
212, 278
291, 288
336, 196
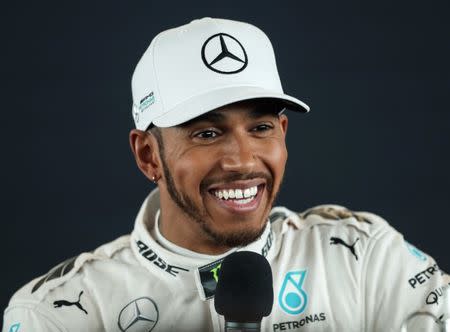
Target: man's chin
239, 238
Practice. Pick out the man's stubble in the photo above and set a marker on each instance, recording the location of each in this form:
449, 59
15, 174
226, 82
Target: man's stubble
240, 238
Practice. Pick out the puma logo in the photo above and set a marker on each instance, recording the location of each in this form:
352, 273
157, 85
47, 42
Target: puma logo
336, 241
60, 303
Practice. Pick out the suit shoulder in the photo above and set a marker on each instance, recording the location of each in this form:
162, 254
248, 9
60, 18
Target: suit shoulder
71, 269
331, 215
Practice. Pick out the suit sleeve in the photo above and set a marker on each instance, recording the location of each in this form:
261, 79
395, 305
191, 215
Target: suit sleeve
24, 319
401, 280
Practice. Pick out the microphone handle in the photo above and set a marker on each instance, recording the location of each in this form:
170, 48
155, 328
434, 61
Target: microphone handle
242, 326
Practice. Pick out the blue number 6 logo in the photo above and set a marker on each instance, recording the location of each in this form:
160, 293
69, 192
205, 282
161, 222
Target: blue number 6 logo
292, 297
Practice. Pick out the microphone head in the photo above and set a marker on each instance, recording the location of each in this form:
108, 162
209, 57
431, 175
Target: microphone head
244, 292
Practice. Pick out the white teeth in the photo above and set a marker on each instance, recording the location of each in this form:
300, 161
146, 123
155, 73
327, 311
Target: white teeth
238, 195
244, 201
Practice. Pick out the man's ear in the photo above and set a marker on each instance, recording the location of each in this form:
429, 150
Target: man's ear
284, 123
146, 153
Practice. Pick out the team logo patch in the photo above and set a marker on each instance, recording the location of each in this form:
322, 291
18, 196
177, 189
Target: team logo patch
209, 277
224, 54
61, 303
14, 328
147, 101
139, 315
339, 241
416, 252
292, 298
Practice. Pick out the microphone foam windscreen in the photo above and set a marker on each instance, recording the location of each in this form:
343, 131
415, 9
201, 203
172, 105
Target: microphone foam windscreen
244, 292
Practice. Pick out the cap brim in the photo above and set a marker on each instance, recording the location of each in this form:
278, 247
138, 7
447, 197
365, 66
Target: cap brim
211, 100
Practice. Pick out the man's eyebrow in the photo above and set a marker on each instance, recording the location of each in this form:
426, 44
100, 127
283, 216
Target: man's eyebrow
263, 111
212, 116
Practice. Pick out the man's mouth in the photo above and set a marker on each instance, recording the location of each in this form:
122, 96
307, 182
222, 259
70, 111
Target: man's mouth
239, 195
240, 198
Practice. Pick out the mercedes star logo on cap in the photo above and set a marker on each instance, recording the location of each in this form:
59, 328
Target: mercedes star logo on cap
224, 54
138, 315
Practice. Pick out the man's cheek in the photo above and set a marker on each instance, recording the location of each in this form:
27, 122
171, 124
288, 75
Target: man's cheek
277, 158
188, 177
277, 151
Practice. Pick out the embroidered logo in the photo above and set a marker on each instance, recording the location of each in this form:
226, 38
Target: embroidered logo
60, 303
292, 298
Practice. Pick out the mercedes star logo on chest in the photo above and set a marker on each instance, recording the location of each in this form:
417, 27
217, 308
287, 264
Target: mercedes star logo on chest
139, 315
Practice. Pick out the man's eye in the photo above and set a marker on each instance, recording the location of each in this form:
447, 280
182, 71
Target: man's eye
262, 127
206, 134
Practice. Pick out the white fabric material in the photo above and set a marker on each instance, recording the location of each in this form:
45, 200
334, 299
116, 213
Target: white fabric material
206, 64
351, 274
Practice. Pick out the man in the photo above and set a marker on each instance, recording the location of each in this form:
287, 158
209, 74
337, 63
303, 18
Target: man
211, 125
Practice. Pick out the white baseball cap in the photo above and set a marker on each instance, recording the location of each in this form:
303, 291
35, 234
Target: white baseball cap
198, 67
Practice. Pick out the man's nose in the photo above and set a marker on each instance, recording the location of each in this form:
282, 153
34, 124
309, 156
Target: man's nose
239, 155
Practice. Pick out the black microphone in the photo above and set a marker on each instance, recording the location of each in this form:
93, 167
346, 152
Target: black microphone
244, 292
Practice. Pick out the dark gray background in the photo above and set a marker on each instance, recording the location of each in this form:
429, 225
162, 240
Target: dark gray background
378, 137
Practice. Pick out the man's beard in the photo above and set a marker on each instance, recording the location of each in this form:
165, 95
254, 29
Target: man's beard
239, 238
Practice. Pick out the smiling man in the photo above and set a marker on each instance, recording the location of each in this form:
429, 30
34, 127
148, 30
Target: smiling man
224, 199
211, 123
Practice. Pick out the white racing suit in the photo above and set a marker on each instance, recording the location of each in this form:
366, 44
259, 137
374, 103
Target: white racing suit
333, 270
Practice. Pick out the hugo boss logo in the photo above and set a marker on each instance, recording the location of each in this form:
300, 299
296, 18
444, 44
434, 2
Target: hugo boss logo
224, 54
267, 245
151, 256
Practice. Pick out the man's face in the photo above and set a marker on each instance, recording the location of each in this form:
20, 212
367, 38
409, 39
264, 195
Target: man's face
223, 170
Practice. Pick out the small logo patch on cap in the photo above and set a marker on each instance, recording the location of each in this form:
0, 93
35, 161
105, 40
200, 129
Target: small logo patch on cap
147, 101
